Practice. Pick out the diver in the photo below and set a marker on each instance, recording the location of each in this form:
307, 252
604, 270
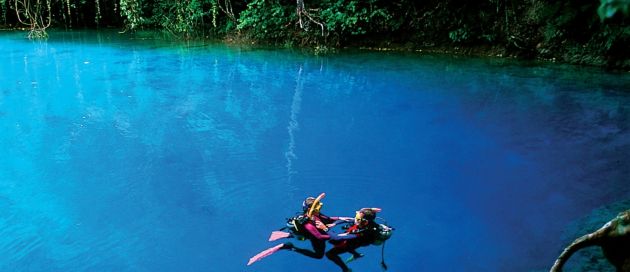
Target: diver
314, 226
364, 232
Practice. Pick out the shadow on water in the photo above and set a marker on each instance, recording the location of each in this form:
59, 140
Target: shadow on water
146, 155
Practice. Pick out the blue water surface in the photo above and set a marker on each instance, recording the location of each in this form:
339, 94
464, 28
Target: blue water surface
133, 153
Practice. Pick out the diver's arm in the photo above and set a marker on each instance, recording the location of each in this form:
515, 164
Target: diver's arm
338, 219
344, 236
342, 219
315, 232
332, 221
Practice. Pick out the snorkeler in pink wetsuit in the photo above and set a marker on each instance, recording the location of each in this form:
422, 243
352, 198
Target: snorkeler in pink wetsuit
310, 224
314, 227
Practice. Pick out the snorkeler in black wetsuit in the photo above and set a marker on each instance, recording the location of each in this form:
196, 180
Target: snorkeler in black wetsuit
364, 232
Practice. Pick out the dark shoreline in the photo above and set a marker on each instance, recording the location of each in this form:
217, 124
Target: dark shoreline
487, 51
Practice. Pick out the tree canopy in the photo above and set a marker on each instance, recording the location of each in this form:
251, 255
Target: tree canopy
588, 31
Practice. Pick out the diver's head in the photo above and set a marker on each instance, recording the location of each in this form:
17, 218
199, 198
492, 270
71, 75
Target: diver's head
308, 203
364, 216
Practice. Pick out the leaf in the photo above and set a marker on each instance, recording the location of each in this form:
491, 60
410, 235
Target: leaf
610, 11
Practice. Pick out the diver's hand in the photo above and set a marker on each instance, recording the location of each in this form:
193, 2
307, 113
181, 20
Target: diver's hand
321, 226
337, 237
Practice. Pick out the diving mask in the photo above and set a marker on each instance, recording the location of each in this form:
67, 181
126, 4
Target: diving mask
318, 206
358, 217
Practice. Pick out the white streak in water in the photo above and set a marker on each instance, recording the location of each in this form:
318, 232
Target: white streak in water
294, 125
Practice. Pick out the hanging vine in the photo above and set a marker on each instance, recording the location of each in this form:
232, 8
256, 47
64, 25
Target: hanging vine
69, 13
302, 11
4, 11
98, 17
214, 13
31, 14
226, 8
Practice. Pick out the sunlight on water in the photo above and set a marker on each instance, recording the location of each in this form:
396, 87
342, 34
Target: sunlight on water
122, 153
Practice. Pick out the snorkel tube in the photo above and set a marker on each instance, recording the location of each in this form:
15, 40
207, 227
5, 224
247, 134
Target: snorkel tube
315, 204
375, 210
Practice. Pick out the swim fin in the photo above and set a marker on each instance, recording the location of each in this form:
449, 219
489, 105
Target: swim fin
264, 254
354, 257
279, 235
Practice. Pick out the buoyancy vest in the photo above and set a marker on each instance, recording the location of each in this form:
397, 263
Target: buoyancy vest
375, 234
296, 225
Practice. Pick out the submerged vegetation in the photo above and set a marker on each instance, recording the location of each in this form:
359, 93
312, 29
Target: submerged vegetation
576, 31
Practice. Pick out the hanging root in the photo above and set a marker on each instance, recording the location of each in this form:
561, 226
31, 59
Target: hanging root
30, 13
302, 11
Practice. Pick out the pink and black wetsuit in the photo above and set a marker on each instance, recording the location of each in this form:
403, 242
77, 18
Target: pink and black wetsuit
316, 236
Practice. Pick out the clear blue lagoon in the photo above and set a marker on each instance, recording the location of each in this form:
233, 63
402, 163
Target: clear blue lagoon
133, 153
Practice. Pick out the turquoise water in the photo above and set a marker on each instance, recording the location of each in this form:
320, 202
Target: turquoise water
124, 153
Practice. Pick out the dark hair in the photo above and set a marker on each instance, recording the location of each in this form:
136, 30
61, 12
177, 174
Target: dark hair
308, 202
368, 214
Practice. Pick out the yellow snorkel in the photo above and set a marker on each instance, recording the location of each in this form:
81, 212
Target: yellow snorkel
315, 205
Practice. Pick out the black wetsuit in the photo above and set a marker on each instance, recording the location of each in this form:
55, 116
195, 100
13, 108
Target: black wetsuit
359, 237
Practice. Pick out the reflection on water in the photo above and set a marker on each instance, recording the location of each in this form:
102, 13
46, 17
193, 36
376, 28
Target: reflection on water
127, 154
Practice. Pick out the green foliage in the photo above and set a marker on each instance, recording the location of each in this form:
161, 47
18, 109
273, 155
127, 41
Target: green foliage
229, 26
322, 50
267, 20
538, 28
460, 35
355, 17
182, 18
275, 20
551, 32
609, 37
3, 3
37, 34
608, 8
535, 13
132, 12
